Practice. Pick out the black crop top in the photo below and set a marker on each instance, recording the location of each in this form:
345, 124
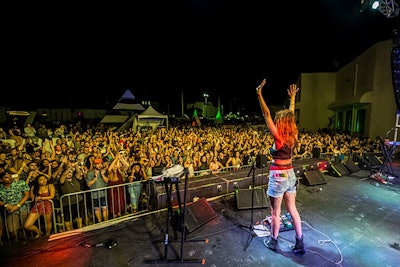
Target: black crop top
284, 152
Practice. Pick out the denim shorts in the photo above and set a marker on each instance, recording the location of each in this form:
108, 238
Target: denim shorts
281, 181
102, 202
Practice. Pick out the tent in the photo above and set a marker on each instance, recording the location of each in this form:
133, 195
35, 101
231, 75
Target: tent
150, 118
123, 110
127, 102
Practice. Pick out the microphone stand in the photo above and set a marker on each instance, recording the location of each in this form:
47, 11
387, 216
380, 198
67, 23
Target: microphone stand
179, 221
251, 232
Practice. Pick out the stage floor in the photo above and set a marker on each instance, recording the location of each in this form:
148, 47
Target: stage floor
349, 221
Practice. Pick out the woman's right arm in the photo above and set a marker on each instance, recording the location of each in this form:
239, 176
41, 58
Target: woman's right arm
292, 95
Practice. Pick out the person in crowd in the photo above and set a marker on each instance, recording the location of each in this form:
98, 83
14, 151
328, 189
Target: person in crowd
222, 158
97, 179
16, 134
17, 164
13, 195
149, 167
204, 165
73, 206
116, 195
88, 163
42, 132
234, 160
4, 161
48, 151
34, 173
30, 133
45, 167
188, 164
3, 134
70, 142
215, 166
282, 178
60, 131
41, 193
138, 175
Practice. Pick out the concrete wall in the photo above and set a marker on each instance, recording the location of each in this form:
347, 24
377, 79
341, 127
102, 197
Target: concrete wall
317, 90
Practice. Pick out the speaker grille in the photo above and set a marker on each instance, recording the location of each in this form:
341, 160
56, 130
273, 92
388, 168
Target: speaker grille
339, 170
244, 198
314, 177
198, 213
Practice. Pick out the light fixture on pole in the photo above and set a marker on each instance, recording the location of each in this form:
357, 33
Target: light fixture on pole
205, 95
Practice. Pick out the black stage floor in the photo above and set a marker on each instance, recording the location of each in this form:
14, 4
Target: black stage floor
348, 221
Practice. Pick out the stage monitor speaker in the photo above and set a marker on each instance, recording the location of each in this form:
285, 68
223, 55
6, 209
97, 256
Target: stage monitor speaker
261, 161
314, 177
363, 164
338, 170
351, 166
372, 159
197, 214
244, 198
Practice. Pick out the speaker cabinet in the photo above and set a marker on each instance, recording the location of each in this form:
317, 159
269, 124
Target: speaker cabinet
352, 167
338, 170
197, 214
261, 161
244, 198
314, 177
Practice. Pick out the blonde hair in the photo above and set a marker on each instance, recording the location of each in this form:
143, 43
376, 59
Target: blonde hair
285, 122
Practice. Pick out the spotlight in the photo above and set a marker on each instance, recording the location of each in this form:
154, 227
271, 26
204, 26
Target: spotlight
375, 4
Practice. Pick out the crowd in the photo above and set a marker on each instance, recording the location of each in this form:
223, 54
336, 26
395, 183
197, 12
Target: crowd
39, 164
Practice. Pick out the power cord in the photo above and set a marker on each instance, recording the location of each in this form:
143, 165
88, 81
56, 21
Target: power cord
321, 243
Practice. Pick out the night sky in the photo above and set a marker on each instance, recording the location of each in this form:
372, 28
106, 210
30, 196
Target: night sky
87, 56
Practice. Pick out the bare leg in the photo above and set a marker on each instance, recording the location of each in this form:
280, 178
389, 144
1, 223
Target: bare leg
48, 223
275, 203
290, 203
29, 224
105, 213
97, 214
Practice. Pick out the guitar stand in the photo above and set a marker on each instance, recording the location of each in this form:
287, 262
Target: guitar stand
172, 219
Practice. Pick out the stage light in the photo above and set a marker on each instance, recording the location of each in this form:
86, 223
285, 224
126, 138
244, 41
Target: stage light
375, 4
389, 8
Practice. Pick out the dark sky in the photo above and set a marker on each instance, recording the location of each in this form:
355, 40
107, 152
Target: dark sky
87, 56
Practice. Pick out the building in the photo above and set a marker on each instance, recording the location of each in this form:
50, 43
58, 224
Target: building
358, 99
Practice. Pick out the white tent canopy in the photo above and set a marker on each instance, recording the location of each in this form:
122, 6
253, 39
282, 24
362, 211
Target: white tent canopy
150, 117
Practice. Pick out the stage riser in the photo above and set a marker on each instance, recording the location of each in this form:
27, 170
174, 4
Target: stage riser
301, 166
214, 185
210, 186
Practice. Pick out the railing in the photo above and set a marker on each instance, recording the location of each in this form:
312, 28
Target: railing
14, 222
